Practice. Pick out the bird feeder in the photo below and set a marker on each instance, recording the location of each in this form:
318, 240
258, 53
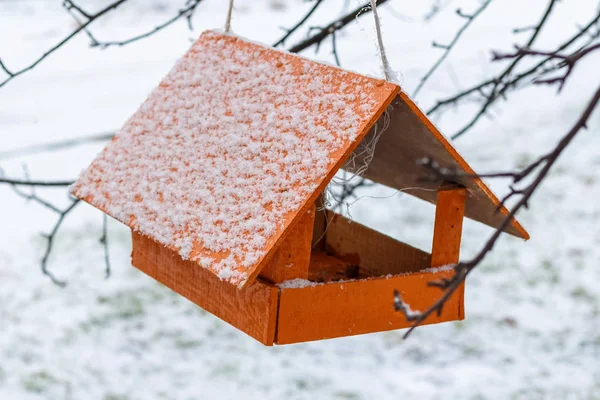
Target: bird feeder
219, 175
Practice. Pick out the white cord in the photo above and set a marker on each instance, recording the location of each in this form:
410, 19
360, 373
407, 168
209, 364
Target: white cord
389, 74
228, 20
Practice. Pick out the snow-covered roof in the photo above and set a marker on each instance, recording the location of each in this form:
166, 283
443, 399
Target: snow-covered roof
239, 139
236, 141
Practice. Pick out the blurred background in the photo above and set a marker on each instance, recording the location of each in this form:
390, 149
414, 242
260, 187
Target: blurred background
532, 327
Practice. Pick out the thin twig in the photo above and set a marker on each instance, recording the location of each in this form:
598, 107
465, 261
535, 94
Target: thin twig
462, 269
69, 5
439, 173
498, 87
25, 182
31, 196
186, 12
334, 50
50, 238
507, 71
104, 242
34, 197
568, 62
13, 74
435, 9
334, 26
59, 145
293, 29
448, 48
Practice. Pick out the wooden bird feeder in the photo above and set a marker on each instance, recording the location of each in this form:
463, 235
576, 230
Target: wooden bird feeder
218, 174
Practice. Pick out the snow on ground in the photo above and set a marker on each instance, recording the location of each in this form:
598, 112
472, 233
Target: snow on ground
533, 309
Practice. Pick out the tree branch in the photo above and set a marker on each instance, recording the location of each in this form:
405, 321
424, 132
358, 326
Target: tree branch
448, 48
334, 26
290, 31
59, 145
500, 86
89, 20
462, 269
26, 182
568, 61
104, 242
186, 12
50, 242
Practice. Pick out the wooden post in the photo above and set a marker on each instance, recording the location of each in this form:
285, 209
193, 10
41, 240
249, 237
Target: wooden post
292, 258
447, 231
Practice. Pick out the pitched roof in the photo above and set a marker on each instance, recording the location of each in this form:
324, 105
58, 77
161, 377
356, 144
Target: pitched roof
236, 142
409, 137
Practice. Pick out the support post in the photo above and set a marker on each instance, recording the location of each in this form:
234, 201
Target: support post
447, 231
292, 258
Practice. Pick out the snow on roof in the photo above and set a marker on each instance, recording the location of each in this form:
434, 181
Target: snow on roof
234, 142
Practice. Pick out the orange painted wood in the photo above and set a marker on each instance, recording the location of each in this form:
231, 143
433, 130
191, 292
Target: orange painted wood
381, 91
252, 309
356, 307
375, 253
447, 231
326, 268
292, 258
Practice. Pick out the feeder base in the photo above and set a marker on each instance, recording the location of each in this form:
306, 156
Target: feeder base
349, 290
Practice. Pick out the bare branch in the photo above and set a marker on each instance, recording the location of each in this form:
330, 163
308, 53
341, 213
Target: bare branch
50, 238
334, 26
290, 31
402, 306
448, 48
186, 13
69, 5
26, 182
500, 89
104, 242
59, 145
438, 173
435, 9
347, 189
32, 196
334, 50
568, 61
62, 213
89, 21
524, 29
462, 269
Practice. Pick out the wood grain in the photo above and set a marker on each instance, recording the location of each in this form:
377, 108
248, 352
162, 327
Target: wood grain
292, 258
252, 310
447, 231
339, 309
326, 268
375, 253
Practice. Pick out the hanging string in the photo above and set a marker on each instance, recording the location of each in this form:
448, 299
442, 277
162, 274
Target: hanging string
366, 149
228, 20
389, 74
326, 204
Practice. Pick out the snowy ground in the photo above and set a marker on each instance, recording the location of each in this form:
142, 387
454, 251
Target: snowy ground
533, 310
